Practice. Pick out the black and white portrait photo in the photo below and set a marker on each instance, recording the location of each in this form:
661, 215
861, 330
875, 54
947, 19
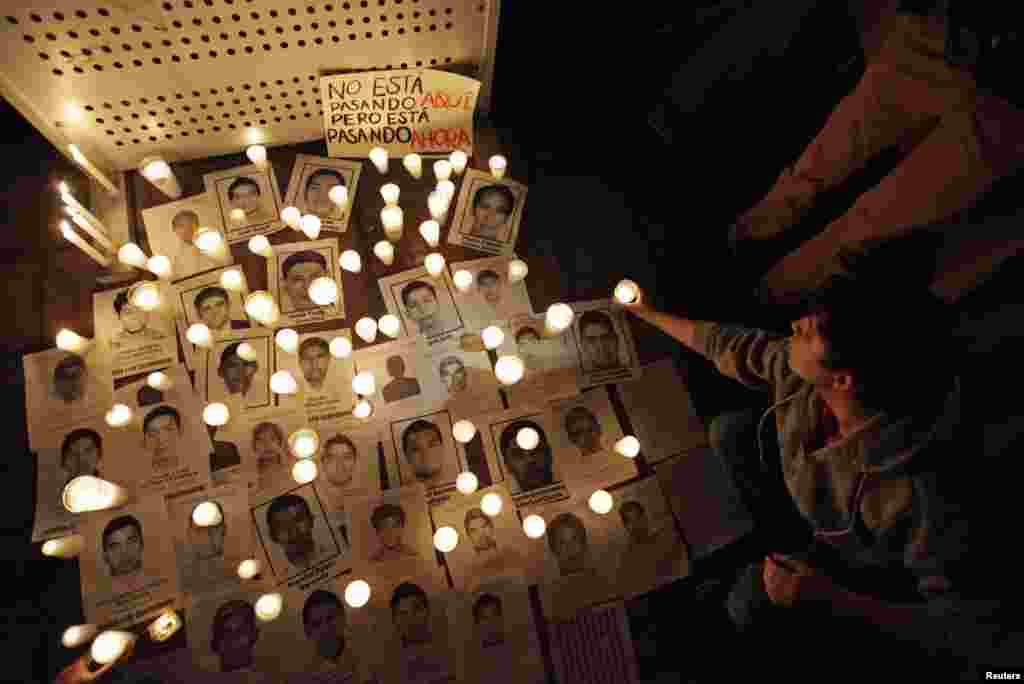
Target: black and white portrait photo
495, 627
423, 304
291, 271
294, 531
488, 213
312, 180
425, 449
491, 299
171, 229
138, 340
587, 431
248, 201
606, 348
325, 382
208, 556
226, 637
240, 381
62, 387
551, 364
467, 382
202, 299
262, 438
392, 527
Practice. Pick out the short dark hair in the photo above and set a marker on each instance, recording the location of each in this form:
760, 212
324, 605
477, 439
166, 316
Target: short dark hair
508, 435
74, 436
314, 342
630, 506
68, 362
208, 292
503, 190
239, 182
405, 590
476, 514
485, 600
419, 425
416, 285
319, 597
147, 396
272, 427
223, 613
185, 213
232, 350
385, 511
119, 523
325, 172
565, 520
120, 301
306, 256
282, 503
334, 441
164, 410
594, 317
487, 273
524, 331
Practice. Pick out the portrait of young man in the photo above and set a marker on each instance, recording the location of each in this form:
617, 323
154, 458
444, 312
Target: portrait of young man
315, 363
567, 539
80, 454
236, 373
426, 452
489, 620
291, 526
492, 207
268, 445
323, 623
316, 193
186, 258
453, 374
339, 458
122, 546
490, 286
161, 431
599, 341
233, 635
389, 523
213, 307
244, 193
70, 376
205, 548
584, 431
419, 299
298, 271
531, 468
135, 324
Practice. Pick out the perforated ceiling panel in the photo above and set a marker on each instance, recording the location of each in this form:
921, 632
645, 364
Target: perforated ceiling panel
186, 79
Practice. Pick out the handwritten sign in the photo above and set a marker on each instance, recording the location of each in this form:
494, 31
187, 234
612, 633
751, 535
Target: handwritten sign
413, 110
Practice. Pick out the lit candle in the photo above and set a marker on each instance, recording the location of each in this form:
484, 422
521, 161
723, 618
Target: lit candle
86, 494
446, 539
438, 204
466, 482
310, 225
628, 446
601, 502
287, 340
69, 199
260, 305
269, 606
237, 216
626, 291
464, 431
209, 241
393, 221
70, 341
379, 157
390, 192
260, 245
534, 526
357, 593
413, 164
463, 280
431, 232
199, 334
119, 415
216, 414
282, 382
246, 352
363, 384
249, 568
159, 173
351, 261
339, 196
164, 627
385, 251
304, 442
304, 471
448, 189
291, 217
207, 514
232, 280
442, 169
517, 270
492, 337
509, 370
491, 504
110, 645
159, 380
389, 325
65, 547
71, 236
341, 347
558, 319
97, 234
132, 255
363, 409
145, 296
434, 264
458, 160
323, 291
257, 154
160, 266
527, 438
77, 635
498, 165
366, 328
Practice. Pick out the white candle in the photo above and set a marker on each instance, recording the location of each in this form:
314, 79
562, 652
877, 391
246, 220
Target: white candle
339, 196
466, 482
237, 216
357, 593
363, 409
304, 442
389, 325
249, 568
626, 291
628, 446
341, 347
207, 514
351, 261
132, 255
268, 607
260, 245
304, 471
159, 173
160, 266
393, 221
363, 384
260, 305
366, 328
446, 539
601, 502
448, 189
209, 241
145, 295
534, 526
257, 154
71, 236
385, 251
323, 291
390, 192
498, 165
287, 340
291, 216
89, 229
76, 635
310, 225
463, 280
492, 337
491, 504
438, 204
558, 319
434, 264
110, 645
246, 352
216, 414
464, 431
509, 370
159, 380
413, 164
282, 382
528, 438
70, 341
431, 232
517, 270
379, 157
458, 160
232, 280
86, 493
442, 169
119, 415
164, 627
199, 334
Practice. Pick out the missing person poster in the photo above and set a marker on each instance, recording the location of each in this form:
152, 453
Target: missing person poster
585, 440
402, 378
349, 461
133, 339
62, 387
426, 451
468, 383
238, 376
248, 201
606, 349
127, 568
171, 230
403, 111
391, 531
292, 269
425, 305
203, 299
489, 546
552, 367
309, 189
488, 213
491, 299
169, 448
325, 382
262, 440
323, 648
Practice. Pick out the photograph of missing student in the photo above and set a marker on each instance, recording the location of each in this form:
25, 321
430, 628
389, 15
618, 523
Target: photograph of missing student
262, 439
127, 568
349, 463
169, 448
662, 413
202, 299
425, 305
62, 387
171, 229
401, 376
323, 648
325, 383
310, 187
529, 473
605, 342
488, 546
391, 530
495, 625
426, 450
586, 437
650, 551
252, 190
491, 300
134, 341
243, 384
62, 454
468, 384
406, 632
290, 272
293, 530
551, 364
488, 213
208, 556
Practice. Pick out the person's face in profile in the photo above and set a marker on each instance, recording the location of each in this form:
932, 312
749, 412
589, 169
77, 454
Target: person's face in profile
421, 306
269, 450
412, 620
341, 464
318, 200
293, 530
390, 532
570, 549
246, 197
584, 431
492, 212
185, 227
481, 533
133, 319
424, 449
298, 281
83, 458
237, 374
237, 640
453, 375
206, 542
315, 361
600, 344
161, 438
69, 383
491, 624
490, 288
122, 550
531, 467
325, 625
214, 312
